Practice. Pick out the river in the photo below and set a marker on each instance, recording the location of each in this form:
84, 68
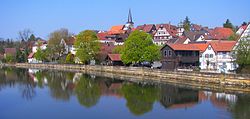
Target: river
47, 94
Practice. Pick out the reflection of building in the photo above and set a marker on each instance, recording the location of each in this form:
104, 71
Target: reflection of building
220, 100
173, 97
111, 88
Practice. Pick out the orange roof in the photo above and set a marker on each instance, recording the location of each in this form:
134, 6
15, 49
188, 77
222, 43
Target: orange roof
222, 45
201, 46
221, 33
70, 41
187, 47
116, 29
115, 57
102, 36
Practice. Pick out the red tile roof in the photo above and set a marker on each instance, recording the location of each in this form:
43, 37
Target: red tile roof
102, 36
11, 51
146, 27
226, 46
220, 33
115, 57
116, 30
187, 47
71, 40
202, 46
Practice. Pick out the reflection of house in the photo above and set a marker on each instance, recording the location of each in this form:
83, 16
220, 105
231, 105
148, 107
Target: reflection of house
179, 55
221, 100
173, 97
114, 59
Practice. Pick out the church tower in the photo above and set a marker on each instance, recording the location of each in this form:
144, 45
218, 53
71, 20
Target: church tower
130, 23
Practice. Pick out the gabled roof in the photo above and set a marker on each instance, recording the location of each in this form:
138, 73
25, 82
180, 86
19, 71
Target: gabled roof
146, 27
220, 33
183, 47
102, 36
202, 46
171, 29
117, 29
220, 46
11, 51
115, 57
71, 40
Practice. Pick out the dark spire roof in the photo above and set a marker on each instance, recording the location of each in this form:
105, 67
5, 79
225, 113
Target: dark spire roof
130, 20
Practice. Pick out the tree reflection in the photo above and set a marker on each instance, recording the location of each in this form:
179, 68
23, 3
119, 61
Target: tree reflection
140, 98
57, 84
88, 91
241, 110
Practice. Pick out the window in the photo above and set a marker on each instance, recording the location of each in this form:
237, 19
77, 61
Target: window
211, 55
206, 55
209, 48
165, 53
169, 53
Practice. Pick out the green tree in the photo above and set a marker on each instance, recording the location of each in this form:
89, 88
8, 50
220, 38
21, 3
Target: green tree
87, 46
187, 24
10, 58
138, 48
140, 99
88, 91
39, 55
243, 53
233, 37
69, 58
54, 42
118, 49
32, 37
228, 24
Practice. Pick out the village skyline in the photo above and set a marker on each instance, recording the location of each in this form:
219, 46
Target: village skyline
17, 15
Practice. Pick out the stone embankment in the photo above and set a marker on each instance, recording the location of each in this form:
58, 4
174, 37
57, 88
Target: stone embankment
155, 75
234, 83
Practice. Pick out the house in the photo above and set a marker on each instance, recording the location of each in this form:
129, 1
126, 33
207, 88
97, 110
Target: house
70, 45
120, 32
194, 36
217, 56
105, 49
148, 28
220, 33
9, 52
103, 38
114, 60
179, 56
39, 43
164, 33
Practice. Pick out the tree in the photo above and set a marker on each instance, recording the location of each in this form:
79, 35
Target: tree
233, 37
138, 48
25, 34
243, 53
39, 55
32, 37
54, 42
87, 46
244, 23
187, 24
10, 58
228, 24
118, 49
69, 58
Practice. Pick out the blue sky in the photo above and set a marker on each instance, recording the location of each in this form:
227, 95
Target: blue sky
45, 16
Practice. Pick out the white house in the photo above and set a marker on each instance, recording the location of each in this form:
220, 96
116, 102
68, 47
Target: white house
164, 33
38, 44
217, 56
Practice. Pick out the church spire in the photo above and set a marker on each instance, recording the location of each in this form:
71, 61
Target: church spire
130, 20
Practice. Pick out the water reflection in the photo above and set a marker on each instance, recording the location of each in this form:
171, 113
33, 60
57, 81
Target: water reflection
140, 98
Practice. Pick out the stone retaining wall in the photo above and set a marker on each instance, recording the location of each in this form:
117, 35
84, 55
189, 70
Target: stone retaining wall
156, 75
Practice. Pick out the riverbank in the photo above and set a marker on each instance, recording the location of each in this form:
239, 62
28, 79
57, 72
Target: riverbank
198, 79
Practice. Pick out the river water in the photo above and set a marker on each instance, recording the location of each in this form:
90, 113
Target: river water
46, 94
